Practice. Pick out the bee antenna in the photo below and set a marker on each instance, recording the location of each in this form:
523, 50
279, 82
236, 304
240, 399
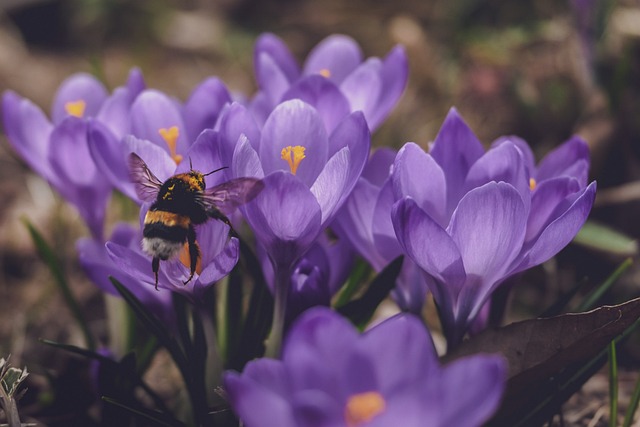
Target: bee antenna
216, 170
190, 164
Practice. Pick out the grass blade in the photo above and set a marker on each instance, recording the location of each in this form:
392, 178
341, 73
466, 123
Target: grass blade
613, 385
48, 256
633, 406
591, 300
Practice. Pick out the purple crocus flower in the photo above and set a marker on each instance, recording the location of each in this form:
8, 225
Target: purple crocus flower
161, 120
334, 79
307, 174
57, 150
471, 219
330, 375
219, 253
365, 221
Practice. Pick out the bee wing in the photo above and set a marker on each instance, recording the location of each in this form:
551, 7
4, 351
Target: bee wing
227, 196
146, 183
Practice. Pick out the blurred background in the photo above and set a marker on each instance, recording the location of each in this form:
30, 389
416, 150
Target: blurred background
542, 70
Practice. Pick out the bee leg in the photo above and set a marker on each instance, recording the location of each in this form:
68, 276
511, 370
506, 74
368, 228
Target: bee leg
221, 217
194, 252
155, 266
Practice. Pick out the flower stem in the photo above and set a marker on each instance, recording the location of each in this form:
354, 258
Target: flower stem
274, 342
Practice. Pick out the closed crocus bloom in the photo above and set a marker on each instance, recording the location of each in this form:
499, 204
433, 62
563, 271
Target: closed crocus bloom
334, 78
330, 375
57, 149
316, 277
307, 172
471, 219
219, 252
365, 221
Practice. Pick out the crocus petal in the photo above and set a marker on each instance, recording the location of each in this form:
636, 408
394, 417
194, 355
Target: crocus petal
152, 111
337, 54
383, 343
78, 87
377, 169
394, 74
316, 408
363, 87
219, 253
236, 120
324, 95
204, 156
418, 175
462, 405
384, 235
354, 133
156, 158
418, 234
28, 131
114, 113
294, 123
503, 163
330, 189
546, 198
455, 149
204, 105
252, 400
565, 157
561, 231
274, 47
285, 216
271, 79
527, 154
355, 222
488, 227
245, 160
108, 154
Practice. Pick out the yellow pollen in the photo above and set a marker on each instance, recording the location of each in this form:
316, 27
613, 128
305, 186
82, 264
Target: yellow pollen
325, 72
293, 156
170, 136
363, 407
532, 184
75, 108
185, 259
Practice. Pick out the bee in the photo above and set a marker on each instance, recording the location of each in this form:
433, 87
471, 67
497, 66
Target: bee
179, 204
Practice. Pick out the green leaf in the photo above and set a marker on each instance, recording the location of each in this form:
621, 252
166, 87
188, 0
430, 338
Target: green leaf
360, 271
48, 256
603, 238
359, 311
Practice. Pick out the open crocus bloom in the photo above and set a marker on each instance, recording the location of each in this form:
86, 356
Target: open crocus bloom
471, 219
334, 79
57, 149
330, 375
219, 253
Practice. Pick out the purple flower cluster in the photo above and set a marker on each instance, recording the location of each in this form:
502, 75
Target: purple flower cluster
465, 218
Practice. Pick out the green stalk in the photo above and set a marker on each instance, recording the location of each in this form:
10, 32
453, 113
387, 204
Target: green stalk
613, 385
274, 342
633, 406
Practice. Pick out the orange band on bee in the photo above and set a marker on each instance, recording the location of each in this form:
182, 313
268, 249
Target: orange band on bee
169, 219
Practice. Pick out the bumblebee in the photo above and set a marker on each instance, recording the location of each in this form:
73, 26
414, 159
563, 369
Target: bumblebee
179, 204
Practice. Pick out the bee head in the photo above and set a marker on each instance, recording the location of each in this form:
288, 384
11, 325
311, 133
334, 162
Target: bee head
199, 176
